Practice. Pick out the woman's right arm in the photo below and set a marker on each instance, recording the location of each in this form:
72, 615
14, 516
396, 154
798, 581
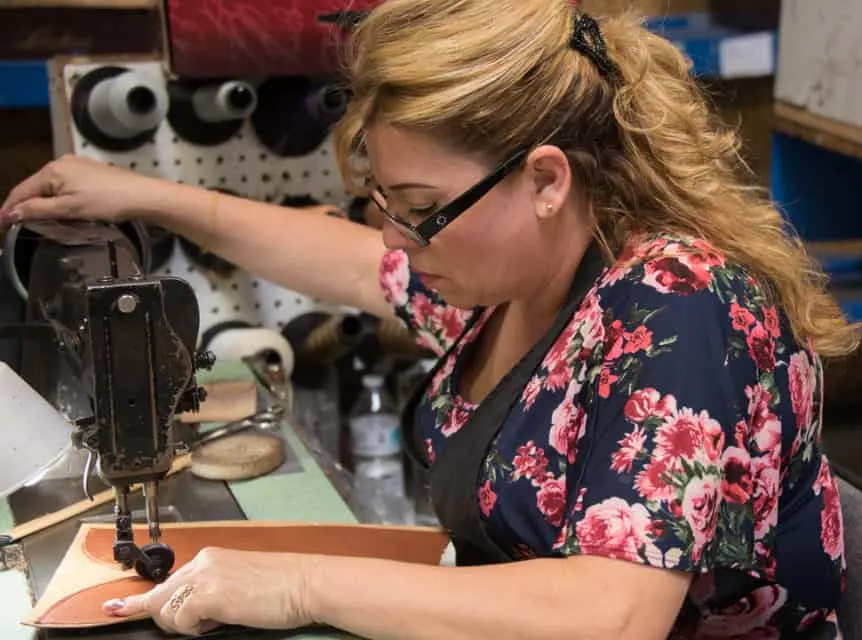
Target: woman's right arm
317, 255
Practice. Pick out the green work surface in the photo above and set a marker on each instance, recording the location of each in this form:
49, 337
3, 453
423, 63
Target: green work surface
303, 496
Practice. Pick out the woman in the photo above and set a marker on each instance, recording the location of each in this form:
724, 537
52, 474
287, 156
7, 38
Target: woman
563, 211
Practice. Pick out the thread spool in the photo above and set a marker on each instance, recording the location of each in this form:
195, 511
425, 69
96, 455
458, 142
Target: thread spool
239, 342
334, 338
210, 113
294, 114
119, 109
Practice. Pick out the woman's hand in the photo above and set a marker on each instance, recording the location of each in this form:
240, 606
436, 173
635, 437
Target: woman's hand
225, 586
80, 188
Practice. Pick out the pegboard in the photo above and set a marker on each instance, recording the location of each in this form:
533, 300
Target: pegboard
241, 165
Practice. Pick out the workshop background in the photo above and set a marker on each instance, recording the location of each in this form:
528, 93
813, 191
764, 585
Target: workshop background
788, 72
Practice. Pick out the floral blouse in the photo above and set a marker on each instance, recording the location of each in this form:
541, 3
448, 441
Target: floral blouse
674, 423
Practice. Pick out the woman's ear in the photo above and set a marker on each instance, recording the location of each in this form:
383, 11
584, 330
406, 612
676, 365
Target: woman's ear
548, 167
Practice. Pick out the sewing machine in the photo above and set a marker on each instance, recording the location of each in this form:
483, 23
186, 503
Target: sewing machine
114, 350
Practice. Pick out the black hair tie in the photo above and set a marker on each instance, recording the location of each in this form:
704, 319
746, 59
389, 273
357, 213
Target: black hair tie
587, 40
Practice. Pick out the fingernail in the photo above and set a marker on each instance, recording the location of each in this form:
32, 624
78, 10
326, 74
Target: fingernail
10, 215
113, 605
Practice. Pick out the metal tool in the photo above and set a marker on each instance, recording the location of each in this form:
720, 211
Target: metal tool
266, 420
124, 344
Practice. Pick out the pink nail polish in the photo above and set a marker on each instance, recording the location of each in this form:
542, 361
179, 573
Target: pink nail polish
113, 605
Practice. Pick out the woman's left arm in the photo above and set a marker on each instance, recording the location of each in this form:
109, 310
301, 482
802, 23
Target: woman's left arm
576, 597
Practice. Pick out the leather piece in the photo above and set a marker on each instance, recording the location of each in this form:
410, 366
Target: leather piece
88, 576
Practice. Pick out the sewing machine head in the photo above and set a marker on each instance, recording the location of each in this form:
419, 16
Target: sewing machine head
115, 349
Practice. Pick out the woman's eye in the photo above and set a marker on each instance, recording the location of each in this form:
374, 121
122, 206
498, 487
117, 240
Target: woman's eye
423, 211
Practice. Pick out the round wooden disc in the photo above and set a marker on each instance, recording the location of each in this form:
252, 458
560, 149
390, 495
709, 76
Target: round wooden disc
239, 457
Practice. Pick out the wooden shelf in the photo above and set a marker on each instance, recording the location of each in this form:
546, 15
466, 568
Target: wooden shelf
823, 132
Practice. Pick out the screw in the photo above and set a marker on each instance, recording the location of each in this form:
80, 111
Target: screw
205, 360
127, 303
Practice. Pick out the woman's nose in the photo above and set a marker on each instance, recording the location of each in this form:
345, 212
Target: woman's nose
394, 239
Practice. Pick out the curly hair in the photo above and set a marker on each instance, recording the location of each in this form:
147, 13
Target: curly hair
488, 77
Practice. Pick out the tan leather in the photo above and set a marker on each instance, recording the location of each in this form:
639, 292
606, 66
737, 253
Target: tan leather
87, 576
225, 402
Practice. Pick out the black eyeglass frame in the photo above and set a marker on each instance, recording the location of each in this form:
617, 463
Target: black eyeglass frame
423, 232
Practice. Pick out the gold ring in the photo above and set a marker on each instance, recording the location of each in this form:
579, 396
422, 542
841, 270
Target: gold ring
180, 596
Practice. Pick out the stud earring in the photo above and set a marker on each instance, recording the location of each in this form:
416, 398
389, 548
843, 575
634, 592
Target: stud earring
549, 206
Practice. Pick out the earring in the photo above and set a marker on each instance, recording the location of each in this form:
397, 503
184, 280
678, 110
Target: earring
549, 206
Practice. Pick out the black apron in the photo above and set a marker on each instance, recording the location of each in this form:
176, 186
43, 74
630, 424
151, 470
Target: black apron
453, 478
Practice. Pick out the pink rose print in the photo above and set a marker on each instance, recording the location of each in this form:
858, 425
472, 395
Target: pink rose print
690, 436
429, 450
588, 321
531, 392
568, 423
672, 275
765, 425
394, 277
638, 340
803, 379
831, 523
740, 434
631, 446
531, 463
761, 347
457, 418
614, 340
551, 500
646, 403
700, 504
559, 373
737, 483
749, 617
606, 379
706, 254
742, 318
655, 483
766, 490
770, 321
766, 558
614, 528
832, 526
487, 498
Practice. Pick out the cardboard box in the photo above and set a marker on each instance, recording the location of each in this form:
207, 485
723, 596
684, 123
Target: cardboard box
39, 29
818, 69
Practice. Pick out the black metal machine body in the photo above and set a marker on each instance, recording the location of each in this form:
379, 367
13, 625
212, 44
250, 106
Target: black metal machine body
114, 349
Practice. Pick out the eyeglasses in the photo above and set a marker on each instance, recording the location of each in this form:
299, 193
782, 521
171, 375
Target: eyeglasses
422, 233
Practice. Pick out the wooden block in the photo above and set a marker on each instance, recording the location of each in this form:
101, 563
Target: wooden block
225, 402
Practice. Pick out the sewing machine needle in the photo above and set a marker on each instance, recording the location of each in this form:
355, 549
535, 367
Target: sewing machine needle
151, 494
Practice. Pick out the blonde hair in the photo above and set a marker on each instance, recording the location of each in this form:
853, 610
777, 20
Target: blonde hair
492, 76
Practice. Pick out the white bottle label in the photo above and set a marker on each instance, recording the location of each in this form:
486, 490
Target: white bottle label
375, 435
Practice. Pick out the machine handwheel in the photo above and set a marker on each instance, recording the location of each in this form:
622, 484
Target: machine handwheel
161, 561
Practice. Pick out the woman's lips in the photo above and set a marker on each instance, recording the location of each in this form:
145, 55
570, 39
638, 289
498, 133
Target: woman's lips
428, 279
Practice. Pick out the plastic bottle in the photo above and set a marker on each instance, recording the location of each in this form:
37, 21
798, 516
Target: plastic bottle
375, 443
